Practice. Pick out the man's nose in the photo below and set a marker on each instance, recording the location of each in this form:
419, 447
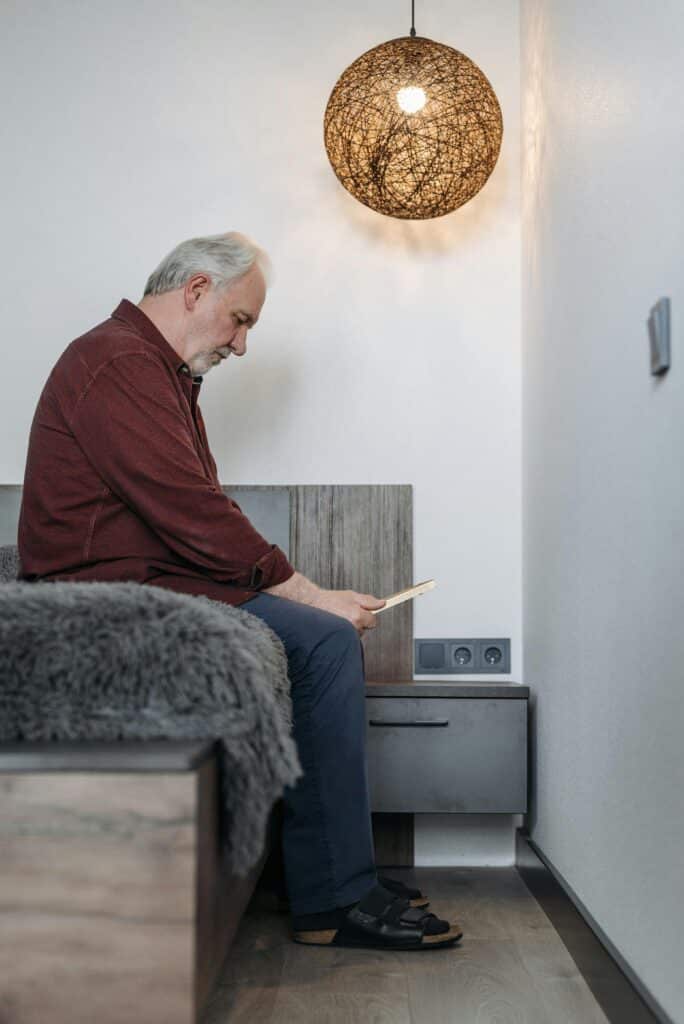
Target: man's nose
239, 342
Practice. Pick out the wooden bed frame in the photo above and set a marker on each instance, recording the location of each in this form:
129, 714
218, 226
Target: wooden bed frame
115, 902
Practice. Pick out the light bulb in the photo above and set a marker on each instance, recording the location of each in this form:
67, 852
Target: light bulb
411, 99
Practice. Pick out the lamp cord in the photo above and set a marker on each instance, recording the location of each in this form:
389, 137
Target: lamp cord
413, 17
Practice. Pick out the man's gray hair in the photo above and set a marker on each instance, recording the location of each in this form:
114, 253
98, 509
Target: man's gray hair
224, 258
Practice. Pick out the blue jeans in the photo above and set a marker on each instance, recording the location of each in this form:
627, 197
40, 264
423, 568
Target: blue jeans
327, 835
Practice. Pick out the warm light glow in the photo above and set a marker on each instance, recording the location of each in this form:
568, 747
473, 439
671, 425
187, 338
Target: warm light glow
412, 129
411, 99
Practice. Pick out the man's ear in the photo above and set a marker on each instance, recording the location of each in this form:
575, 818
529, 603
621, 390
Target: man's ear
196, 287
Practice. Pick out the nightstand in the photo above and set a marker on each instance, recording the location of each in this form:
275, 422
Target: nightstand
452, 747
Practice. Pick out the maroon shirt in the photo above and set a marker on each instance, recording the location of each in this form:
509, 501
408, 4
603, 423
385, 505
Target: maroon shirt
120, 483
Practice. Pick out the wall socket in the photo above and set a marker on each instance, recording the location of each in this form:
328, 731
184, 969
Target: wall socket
447, 657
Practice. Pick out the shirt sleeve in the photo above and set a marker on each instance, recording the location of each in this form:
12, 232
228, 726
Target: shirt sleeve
132, 427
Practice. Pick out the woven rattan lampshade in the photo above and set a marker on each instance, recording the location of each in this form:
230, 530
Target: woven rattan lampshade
413, 128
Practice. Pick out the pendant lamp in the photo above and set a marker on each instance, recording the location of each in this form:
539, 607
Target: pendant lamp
413, 128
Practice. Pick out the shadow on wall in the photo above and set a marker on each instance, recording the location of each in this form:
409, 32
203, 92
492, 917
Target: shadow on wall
469, 224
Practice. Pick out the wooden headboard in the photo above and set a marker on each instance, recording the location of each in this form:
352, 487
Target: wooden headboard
342, 536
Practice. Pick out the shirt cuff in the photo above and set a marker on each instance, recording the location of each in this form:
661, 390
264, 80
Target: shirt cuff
271, 569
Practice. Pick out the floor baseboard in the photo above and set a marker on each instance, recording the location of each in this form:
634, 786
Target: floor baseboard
621, 995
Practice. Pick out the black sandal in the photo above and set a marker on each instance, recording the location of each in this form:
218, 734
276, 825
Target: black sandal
397, 888
414, 896
380, 920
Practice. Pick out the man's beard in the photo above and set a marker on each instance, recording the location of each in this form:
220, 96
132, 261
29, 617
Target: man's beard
202, 363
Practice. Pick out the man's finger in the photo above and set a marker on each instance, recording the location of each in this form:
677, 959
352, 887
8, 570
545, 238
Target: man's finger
369, 601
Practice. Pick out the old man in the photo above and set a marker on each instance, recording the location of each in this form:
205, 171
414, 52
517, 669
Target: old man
120, 484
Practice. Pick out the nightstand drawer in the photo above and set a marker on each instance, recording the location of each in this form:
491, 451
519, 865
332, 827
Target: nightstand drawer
432, 755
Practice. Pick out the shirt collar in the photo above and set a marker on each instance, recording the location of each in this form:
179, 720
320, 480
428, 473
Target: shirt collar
134, 317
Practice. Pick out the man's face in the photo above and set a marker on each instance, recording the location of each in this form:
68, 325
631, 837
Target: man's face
220, 320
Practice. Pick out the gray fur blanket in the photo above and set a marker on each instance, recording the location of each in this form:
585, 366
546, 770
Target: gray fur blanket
122, 661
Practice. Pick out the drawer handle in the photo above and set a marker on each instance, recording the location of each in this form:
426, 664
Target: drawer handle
417, 721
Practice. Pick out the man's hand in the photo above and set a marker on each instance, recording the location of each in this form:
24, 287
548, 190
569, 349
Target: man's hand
347, 603
351, 605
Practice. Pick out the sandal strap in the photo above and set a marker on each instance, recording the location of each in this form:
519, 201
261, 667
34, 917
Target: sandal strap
394, 909
400, 911
384, 910
416, 916
374, 925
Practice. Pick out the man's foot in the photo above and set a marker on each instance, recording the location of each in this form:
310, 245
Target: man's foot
414, 896
379, 920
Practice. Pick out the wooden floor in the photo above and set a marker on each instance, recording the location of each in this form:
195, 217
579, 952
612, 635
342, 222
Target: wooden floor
510, 967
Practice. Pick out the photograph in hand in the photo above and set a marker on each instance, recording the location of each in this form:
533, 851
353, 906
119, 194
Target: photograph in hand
406, 595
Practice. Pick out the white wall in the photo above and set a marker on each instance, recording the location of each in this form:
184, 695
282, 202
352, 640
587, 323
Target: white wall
603, 152
387, 352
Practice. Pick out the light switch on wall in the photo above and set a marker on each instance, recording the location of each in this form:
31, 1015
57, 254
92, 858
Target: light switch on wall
659, 334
